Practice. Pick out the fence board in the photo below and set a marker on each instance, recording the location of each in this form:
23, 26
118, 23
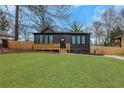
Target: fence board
20, 45
33, 46
106, 50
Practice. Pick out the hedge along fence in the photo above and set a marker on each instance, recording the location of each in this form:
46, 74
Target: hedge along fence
26, 45
106, 50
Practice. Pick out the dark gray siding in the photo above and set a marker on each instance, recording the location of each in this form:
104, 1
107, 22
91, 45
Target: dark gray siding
82, 48
56, 38
75, 48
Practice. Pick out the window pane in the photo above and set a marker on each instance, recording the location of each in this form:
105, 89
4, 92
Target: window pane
37, 39
38, 36
83, 39
50, 39
78, 39
46, 39
41, 39
73, 39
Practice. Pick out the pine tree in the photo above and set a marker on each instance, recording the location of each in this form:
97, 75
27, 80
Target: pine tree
116, 32
3, 22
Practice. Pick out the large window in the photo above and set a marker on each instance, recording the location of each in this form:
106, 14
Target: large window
41, 39
78, 40
37, 39
73, 39
83, 39
50, 39
46, 39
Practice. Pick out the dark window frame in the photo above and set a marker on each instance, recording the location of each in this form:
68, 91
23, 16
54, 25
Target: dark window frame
37, 39
40, 39
78, 43
50, 41
81, 43
72, 40
44, 36
82, 39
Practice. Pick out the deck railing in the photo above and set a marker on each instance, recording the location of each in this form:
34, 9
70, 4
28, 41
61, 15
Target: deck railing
33, 46
54, 46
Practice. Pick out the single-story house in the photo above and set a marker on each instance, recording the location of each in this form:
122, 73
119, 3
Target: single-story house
74, 42
118, 41
3, 39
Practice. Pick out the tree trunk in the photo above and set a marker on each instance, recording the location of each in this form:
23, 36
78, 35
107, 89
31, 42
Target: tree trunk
16, 22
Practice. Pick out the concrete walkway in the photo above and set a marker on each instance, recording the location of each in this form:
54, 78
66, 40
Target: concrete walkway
114, 56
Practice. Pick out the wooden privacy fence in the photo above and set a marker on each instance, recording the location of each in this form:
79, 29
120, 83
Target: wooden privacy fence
29, 45
106, 50
26, 45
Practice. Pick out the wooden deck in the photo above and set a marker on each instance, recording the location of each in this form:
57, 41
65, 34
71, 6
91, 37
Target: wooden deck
28, 45
55, 46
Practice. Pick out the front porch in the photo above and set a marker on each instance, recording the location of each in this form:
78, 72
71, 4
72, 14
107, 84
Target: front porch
52, 47
29, 45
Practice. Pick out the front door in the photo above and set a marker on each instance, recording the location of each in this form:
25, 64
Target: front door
62, 43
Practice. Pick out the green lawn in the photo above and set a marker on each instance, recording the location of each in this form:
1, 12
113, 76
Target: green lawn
60, 70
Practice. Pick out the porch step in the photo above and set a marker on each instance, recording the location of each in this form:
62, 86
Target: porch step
62, 51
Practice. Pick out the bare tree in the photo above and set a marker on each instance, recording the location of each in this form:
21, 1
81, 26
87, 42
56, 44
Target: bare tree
108, 20
16, 22
77, 27
98, 32
35, 18
44, 16
121, 19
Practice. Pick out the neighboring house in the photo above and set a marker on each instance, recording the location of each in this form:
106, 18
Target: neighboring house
118, 41
3, 39
74, 42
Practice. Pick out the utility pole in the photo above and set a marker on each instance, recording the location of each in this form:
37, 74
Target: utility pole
16, 22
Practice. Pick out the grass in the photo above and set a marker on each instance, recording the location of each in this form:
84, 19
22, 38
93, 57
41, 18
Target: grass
59, 70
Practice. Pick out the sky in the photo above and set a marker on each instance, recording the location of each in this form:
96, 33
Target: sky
86, 14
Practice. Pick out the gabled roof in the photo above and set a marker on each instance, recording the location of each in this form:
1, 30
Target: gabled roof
51, 31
